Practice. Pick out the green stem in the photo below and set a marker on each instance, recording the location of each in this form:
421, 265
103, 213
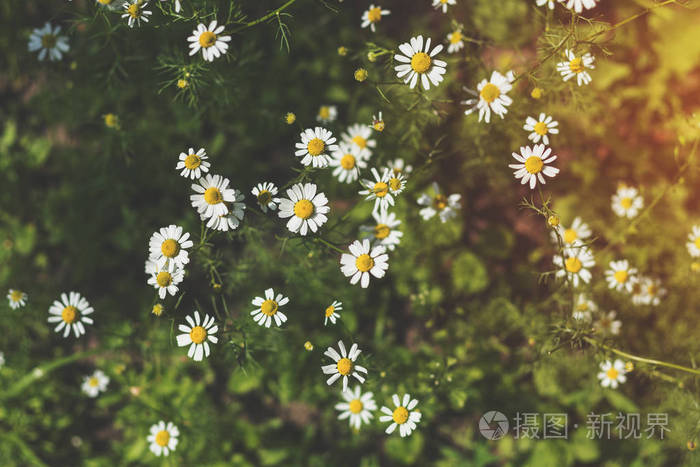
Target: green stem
329, 245
264, 18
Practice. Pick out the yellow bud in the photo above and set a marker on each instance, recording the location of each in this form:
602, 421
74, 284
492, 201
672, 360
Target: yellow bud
536, 93
111, 120
372, 57
308, 346
695, 267
216, 287
692, 445
290, 118
629, 366
342, 51
553, 221
182, 83
157, 309
361, 74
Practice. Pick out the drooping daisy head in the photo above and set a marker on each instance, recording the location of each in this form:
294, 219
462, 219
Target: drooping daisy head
446, 207
48, 42
612, 373
268, 308
347, 161
360, 136
372, 16
418, 61
627, 202
209, 40
620, 276
315, 146
168, 247
378, 190
533, 165
327, 114
16, 298
540, 128
455, 41
163, 438
306, 208
398, 166
574, 263
357, 407
384, 231
574, 235
135, 12
344, 365
576, 66
165, 280
693, 244
193, 164
197, 333
437, 4
71, 312
364, 261
95, 383
378, 123
404, 415
266, 195
648, 291
491, 95
579, 5
331, 312
607, 325
583, 308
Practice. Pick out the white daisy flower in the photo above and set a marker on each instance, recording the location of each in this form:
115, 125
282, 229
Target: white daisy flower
168, 247
404, 416
70, 312
627, 202
363, 261
456, 42
693, 244
344, 365
621, 276
209, 40
47, 41
648, 291
397, 182
212, 194
418, 61
541, 128
583, 308
193, 164
196, 333
265, 193
163, 438
398, 166
16, 298
445, 207
269, 308
331, 313
165, 280
305, 206
230, 221
549, 3
314, 147
347, 161
611, 374
574, 235
357, 407
136, 12
576, 66
579, 5
95, 383
492, 96
575, 263
327, 113
372, 16
378, 190
360, 136
608, 325
385, 231
443, 4
378, 123
532, 165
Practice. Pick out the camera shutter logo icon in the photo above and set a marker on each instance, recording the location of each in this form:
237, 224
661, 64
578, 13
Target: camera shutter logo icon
493, 425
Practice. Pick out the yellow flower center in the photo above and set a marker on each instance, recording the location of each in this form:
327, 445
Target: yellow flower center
440, 202
374, 14
316, 147
652, 290
400, 415
48, 41
573, 264
198, 334
381, 189
576, 65
162, 438
134, 10
192, 161
583, 306
420, 62
213, 195
360, 141
381, 231
170, 248
355, 406
69, 314
264, 197
16, 295
348, 162
303, 208
626, 203
207, 39
269, 307
534, 164
93, 382
344, 366
164, 279
364, 262
378, 125
105, 2
570, 235
621, 276
697, 242
329, 311
456, 37
612, 373
394, 183
324, 112
490, 92
541, 128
